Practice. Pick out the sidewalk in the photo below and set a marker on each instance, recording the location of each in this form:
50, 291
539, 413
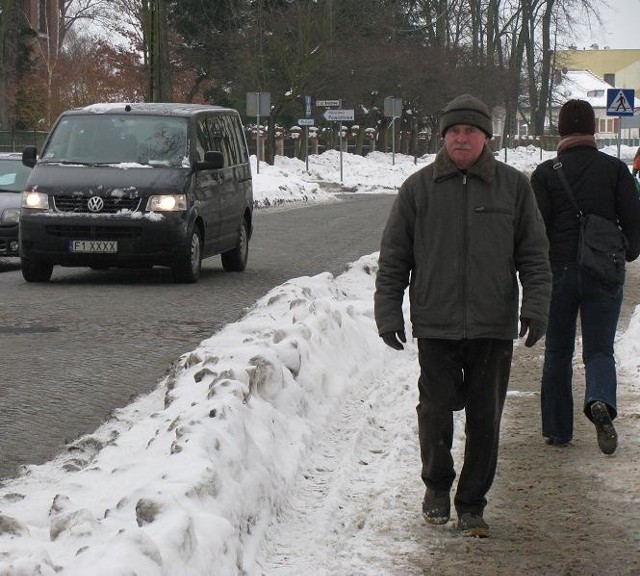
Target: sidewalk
552, 512
559, 511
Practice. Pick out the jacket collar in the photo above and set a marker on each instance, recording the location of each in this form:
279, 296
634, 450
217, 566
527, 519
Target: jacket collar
484, 167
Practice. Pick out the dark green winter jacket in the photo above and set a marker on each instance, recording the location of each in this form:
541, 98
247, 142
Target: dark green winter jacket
460, 241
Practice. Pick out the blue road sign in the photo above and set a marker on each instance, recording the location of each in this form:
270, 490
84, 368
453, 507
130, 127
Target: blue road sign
620, 101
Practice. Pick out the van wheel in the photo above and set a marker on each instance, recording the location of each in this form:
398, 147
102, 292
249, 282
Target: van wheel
236, 260
34, 271
186, 269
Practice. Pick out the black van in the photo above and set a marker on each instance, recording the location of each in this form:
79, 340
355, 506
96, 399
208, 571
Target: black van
138, 185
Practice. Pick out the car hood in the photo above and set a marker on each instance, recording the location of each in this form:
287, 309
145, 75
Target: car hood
134, 180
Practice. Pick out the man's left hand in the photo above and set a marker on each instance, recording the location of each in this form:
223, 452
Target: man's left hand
536, 329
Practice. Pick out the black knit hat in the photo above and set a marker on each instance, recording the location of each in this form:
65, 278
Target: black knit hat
576, 117
466, 109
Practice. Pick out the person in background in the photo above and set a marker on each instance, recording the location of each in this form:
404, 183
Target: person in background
601, 185
459, 233
636, 164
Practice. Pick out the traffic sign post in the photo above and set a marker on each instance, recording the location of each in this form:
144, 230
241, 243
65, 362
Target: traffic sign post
306, 122
339, 116
393, 110
620, 102
336, 103
258, 104
307, 106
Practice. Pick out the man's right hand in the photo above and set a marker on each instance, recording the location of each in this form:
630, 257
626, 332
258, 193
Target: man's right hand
394, 339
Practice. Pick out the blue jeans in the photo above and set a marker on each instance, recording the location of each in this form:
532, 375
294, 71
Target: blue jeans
575, 291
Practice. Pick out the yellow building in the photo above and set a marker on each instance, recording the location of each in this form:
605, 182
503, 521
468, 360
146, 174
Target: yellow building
620, 68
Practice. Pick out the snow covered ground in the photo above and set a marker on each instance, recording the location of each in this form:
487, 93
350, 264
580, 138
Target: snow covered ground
297, 412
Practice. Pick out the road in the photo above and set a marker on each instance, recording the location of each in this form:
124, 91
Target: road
89, 341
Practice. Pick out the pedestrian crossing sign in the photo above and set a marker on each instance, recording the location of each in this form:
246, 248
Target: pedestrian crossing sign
620, 102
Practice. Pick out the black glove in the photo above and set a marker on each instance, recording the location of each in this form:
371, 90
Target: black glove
536, 329
393, 339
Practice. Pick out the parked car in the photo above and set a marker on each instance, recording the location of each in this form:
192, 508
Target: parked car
138, 185
13, 176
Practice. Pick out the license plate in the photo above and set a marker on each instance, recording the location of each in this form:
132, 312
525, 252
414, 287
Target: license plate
94, 246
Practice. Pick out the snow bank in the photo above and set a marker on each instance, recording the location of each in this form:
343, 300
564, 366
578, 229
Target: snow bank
186, 480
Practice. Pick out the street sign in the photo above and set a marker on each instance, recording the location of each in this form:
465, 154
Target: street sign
329, 103
620, 102
258, 103
630, 122
392, 107
338, 115
306, 121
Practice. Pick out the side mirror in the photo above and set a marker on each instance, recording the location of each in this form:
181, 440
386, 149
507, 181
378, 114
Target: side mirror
29, 156
213, 160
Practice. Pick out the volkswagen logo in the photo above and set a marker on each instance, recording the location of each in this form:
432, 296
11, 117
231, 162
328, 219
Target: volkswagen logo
95, 204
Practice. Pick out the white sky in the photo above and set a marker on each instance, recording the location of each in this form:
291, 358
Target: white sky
621, 22
264, 449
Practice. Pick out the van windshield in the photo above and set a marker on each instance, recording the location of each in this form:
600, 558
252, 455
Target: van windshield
117, 139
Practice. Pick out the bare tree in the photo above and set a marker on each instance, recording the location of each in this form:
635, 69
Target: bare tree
8, 59
79, 14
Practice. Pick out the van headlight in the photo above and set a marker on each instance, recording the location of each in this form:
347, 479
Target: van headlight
167, 203
34, 199
10, 216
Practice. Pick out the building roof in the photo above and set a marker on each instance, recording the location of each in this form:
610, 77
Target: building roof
581, 84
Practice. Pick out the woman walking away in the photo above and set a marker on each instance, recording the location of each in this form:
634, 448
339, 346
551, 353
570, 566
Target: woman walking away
601, 184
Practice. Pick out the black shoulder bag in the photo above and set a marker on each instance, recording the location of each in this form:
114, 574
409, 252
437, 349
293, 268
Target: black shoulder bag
602, 247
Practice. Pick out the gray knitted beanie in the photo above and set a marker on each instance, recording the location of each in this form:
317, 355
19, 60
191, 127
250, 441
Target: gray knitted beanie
466, 109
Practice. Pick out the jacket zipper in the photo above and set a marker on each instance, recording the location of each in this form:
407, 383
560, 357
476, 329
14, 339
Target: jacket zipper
465, 241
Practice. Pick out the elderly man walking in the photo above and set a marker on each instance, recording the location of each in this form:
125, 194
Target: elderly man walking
460, 233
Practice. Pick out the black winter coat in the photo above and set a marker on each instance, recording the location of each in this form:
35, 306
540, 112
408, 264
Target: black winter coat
601, 184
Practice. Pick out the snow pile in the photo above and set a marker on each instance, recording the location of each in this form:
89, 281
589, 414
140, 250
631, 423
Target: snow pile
289, 181
188, 478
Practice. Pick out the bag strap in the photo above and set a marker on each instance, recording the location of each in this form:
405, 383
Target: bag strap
557, 166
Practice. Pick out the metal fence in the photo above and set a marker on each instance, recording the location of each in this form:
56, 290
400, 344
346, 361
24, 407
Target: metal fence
16, 140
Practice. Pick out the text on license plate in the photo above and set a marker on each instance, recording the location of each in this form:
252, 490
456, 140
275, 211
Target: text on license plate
94, 246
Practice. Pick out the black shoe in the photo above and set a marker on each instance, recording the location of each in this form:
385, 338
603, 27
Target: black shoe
557, 443
436, 506
607, 435
473, 525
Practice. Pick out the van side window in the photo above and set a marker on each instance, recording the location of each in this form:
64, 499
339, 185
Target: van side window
202, 139
208, 138
238, 138
221, 133
218, 142
232, 140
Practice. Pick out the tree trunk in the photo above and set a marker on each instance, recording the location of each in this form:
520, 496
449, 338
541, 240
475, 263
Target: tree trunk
160, 88
8, 60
